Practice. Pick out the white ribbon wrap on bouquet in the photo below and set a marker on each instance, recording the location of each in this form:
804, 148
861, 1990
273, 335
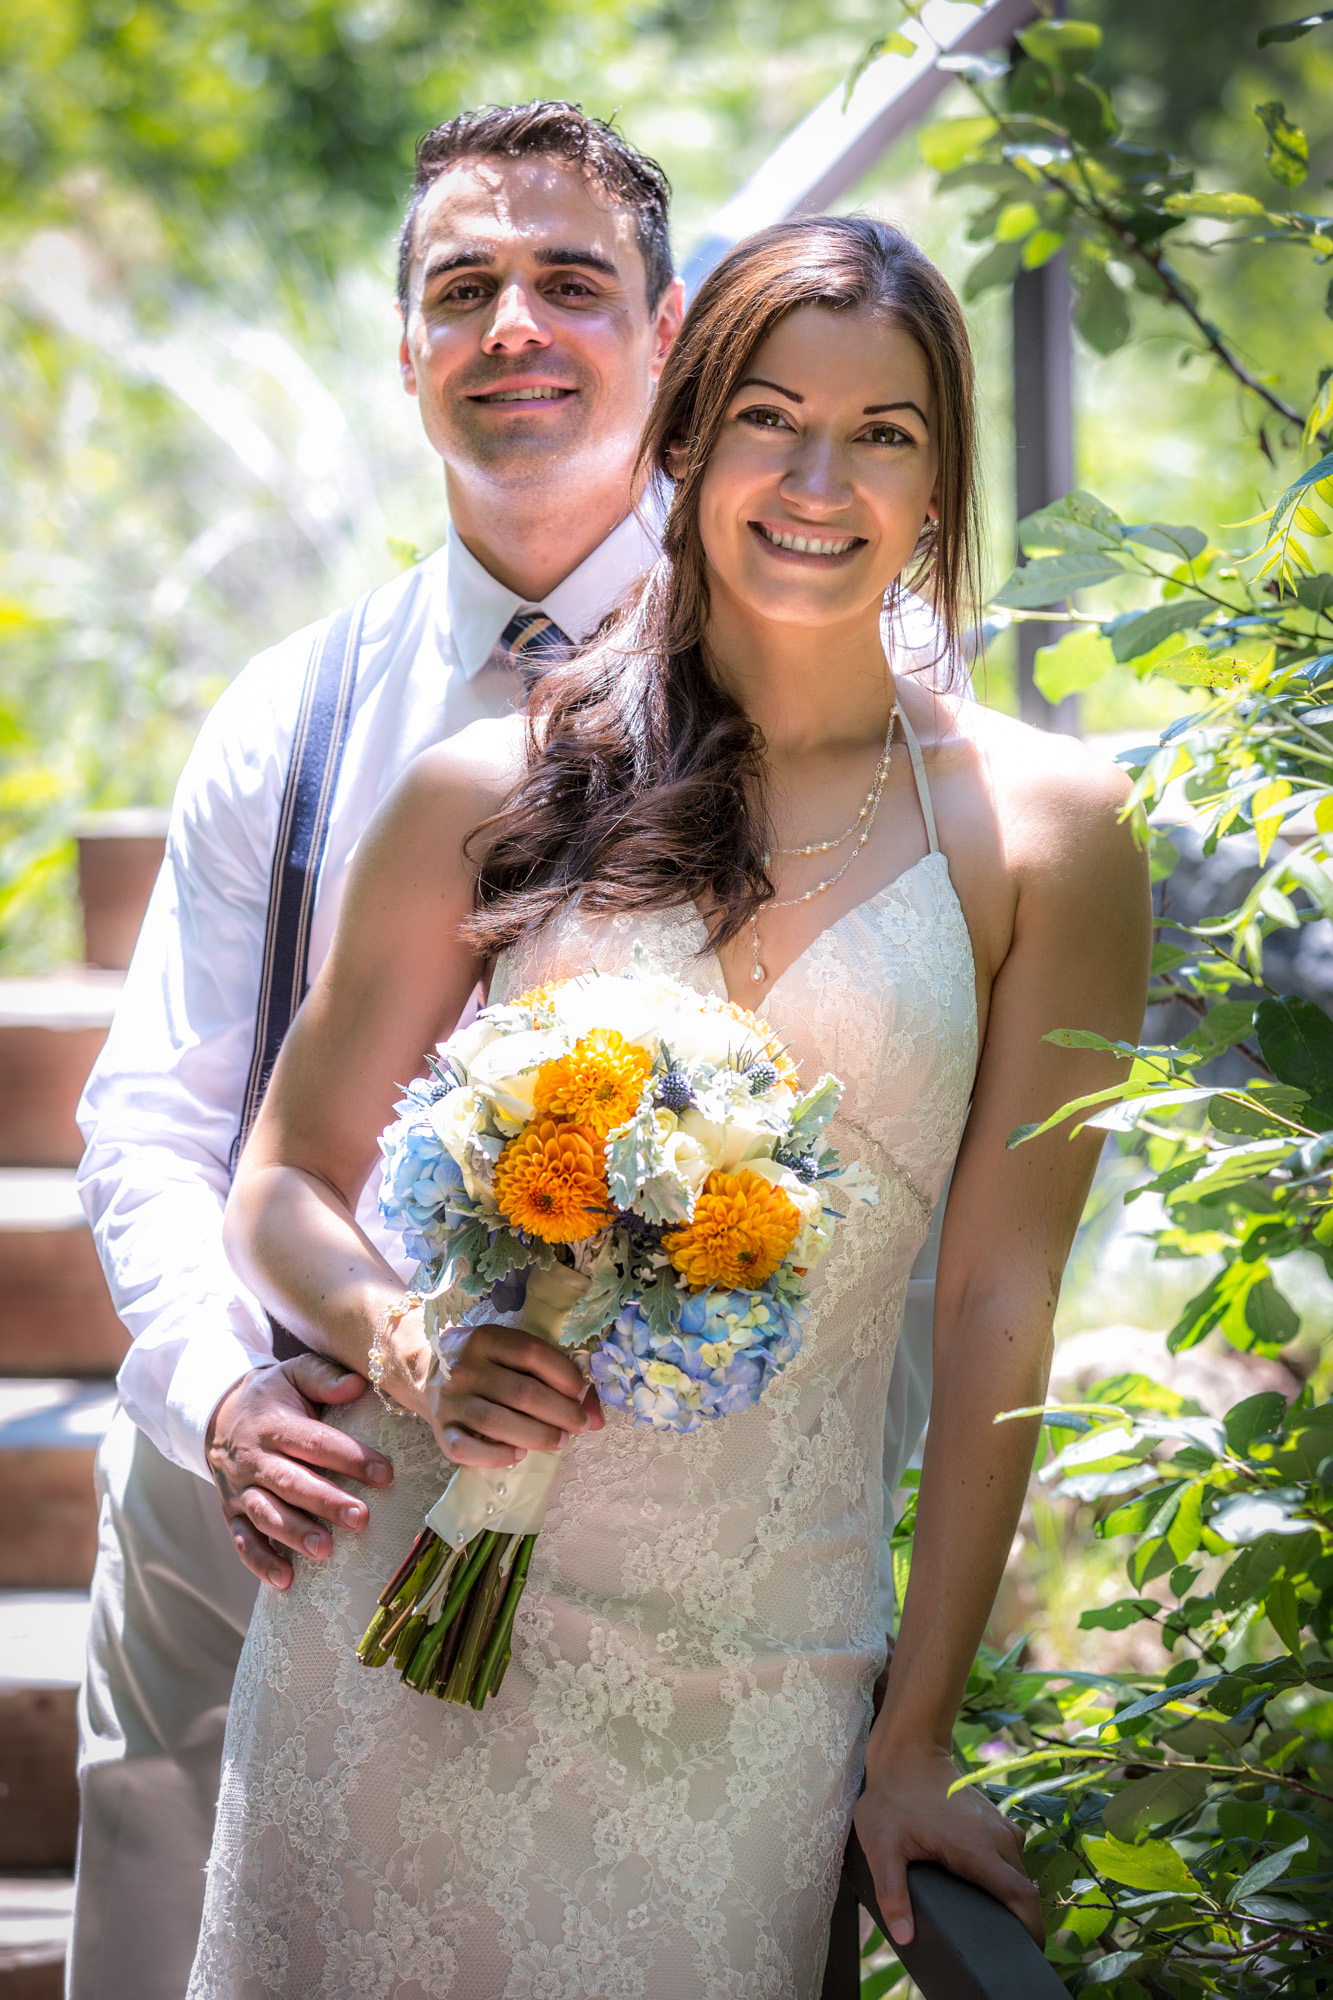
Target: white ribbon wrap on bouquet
511, 1500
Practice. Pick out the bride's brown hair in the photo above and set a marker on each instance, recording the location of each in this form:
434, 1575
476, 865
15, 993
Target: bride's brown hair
645, 780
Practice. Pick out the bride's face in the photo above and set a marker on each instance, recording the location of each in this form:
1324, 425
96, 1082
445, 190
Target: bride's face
824, 471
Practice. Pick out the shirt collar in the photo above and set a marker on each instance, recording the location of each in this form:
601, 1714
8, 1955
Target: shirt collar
479, 607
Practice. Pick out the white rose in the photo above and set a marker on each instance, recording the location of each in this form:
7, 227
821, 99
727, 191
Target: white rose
505, 1074
465, 1044
698, 1034
742, 1139
685, 1156
632, 1007
454, 1119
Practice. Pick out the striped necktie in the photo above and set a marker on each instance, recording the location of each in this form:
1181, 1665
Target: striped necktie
534, 642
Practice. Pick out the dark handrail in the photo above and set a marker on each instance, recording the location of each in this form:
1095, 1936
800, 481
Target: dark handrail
967, 1946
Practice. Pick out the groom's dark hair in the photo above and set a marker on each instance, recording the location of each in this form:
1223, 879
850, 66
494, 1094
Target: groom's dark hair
549, 129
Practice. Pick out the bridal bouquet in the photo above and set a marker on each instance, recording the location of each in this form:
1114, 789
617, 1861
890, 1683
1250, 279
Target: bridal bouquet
642, 1158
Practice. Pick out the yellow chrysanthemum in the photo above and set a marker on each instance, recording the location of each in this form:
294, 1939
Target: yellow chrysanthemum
551, 1181
538, 999
776, 1051
742, 1229
598, 1084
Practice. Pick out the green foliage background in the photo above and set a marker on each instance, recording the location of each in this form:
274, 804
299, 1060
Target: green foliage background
204, 446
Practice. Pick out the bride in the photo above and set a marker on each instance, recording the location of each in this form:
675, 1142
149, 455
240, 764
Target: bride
913, 890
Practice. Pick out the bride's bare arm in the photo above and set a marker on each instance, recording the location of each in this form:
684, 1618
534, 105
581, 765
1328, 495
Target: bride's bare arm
1077, 959
396, 979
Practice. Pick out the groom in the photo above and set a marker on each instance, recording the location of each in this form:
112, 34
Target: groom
539, 304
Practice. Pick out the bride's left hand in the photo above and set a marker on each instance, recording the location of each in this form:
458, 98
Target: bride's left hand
905, 1814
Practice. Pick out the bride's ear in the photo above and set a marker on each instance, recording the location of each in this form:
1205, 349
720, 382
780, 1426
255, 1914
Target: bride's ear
677, 460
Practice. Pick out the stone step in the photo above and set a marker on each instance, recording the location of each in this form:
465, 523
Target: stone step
36, 1913
42, 1639
56, 1315
50, 1033
49, 1434
119, 856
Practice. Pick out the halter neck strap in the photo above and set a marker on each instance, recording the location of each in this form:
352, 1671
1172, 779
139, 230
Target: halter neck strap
922, 785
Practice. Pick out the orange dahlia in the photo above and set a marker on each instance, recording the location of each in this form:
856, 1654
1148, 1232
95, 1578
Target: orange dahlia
742, 1229
597, 1085
551, 1181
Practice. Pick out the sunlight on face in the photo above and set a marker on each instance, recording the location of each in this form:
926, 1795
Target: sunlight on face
824, 471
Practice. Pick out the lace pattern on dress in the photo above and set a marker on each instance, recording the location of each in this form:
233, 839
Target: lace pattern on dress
655, 1806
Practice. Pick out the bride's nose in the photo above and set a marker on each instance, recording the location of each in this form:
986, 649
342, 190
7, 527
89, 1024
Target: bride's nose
815, 480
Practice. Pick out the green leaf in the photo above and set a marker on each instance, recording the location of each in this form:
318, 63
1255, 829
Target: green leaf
1101, 313
1282, 1608
406, 554
1168, 539
1071, 664
1229, 1022
1221, 207
1154, 1801
1291, 31
1068, 47
999, 266
1115, 1617
1269, 1317
1197, 667
1296, 1041
1152, 1864
1135, 633
945, 146
1258, 1417
1051, 579
1271, 1869
1077, 521
1288, 151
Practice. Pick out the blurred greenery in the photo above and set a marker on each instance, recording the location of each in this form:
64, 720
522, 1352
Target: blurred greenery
203, 438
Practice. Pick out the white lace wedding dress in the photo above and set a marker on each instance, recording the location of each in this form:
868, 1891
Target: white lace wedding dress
655, 1805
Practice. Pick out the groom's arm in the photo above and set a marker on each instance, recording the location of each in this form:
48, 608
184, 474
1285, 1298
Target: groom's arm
162, 1106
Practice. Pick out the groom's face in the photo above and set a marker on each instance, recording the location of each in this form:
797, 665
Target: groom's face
529, 338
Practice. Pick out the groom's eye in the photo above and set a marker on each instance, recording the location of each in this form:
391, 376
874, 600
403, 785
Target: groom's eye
466, 292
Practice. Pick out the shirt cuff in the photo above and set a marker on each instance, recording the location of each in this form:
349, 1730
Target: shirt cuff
208, 1366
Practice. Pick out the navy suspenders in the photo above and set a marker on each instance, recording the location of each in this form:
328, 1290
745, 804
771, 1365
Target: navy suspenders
303, 826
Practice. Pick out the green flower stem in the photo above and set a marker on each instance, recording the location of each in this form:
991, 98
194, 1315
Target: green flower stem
369, 1651
421, 1548
423, 1660
480, 1611
496, 1657
399, 1599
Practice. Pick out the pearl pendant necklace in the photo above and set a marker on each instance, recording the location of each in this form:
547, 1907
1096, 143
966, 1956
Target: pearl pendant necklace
758, 973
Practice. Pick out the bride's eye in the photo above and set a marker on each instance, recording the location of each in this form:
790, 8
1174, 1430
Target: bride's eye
763, 417
887, 434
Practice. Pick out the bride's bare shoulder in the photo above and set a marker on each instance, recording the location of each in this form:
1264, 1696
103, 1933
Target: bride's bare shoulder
467, 777
1039, 782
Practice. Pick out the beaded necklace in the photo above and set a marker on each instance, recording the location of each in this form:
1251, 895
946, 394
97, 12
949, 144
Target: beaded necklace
866, 815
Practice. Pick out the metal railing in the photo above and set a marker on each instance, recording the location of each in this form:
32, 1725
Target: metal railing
967, 1946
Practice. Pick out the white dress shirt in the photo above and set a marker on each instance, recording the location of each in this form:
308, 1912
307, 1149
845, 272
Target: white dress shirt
162, 1106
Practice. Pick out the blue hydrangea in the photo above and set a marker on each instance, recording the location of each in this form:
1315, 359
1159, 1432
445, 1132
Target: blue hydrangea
719, 1358
420, 1177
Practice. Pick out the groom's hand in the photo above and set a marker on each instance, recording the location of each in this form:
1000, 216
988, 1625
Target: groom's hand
266, 1447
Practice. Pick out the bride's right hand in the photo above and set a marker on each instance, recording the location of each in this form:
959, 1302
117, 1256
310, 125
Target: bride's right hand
502, 1393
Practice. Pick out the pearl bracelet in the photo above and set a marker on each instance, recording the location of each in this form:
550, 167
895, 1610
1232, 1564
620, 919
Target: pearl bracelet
389, 1322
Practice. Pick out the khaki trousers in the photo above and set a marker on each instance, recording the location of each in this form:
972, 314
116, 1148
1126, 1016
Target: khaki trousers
171, 1605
